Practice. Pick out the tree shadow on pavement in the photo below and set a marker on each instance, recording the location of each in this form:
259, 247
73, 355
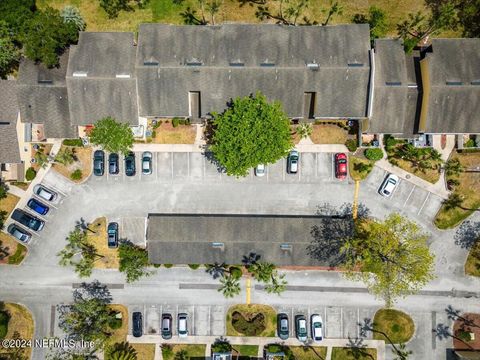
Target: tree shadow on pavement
357, 349
467, 234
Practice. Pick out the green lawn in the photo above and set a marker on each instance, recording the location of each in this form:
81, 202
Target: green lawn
397, 325
246, 350
354, 168
308, 352
472, 265
192, 350
18, 256
353, 354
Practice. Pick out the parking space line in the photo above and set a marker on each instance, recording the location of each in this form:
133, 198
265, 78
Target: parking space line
283, 167
341, 321
424, 202
358, 322
171, 162
209, 321
55, 189
316, 165
203, 160
325, 317
333, 169
188, 164
408, 197
155, 157
300, 173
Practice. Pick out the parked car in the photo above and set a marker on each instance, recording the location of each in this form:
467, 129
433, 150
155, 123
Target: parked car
130, 164
18, 233
166, 326
98, 163
341, 166
112, 231
292, 162
282, 326
316, 323
44, 193
137, 324
113, 164
389, 185
301, 327
260, 170
37, 206
147, 163
28, 220
182, 325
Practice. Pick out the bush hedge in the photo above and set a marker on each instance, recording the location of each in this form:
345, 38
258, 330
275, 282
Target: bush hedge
4, 319
249, 327
351, 145
30, 174
373, 154
235, 272
73, 142
76, 175
194, 266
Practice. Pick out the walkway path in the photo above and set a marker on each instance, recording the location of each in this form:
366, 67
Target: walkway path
259, 341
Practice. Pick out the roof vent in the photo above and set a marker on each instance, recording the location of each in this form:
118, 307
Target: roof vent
193, 62
45, 81
475, 82
237, 63
267, 64
393, 83
218, 245
454, 82
313, 66
122, 76
355, 64
79, 74
286, 247
150, 63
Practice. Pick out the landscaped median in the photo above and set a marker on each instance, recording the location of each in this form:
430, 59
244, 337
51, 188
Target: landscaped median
251, 320
183, 351
396, 325
74, 162
11, 251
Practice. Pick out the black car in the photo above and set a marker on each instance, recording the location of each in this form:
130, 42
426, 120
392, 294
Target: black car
112, 231
98, 162
113, 164
28, 220
37, 206
137, 324
18, 233
166, 326
130, 164
282, 326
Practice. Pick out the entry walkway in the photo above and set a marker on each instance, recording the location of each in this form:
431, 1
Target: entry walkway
259, 341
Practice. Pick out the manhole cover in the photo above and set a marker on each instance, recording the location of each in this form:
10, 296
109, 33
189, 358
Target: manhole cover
407, 176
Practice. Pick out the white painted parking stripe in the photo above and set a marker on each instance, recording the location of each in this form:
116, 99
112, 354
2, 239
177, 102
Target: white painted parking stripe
171, 163
188, 164
283, 169
408, 198
333, 167
424, 202
316, 165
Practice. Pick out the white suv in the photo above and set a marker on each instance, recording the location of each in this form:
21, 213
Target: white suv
389, 185
317, 325
182, 325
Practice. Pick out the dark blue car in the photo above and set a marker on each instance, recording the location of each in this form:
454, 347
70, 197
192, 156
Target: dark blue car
38, 207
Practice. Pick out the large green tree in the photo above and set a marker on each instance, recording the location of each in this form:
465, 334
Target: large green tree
376, 18
9, 52
393, 257
133, 261
251, 131
112, 136
88, 316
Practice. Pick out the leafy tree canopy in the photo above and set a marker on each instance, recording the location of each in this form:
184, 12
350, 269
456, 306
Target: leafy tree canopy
46, 36
393, 256
112, 136
16, 13
9, 52
133, 261
251, 131
376, 18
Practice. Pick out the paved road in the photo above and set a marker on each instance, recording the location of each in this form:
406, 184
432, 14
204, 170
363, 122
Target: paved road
186, 183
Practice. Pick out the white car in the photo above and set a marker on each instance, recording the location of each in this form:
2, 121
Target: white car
317, 327
44, 193
182, 325
260, 170
147, 163
389, 185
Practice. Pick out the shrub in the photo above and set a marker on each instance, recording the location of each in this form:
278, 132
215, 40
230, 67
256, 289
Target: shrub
221, 347
76, 175
374, 154
175, 121
235, 272
167, 351
30, 174
168, 266
157, 265
4, 319
154, 134
351, 145
274, 348
464, 335
470, 143
73, 142
113, 322
194, 266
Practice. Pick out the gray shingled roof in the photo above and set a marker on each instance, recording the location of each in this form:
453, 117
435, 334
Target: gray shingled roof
43, 99
454, 107
394, 103
187, 239
341, 89
102, 57
9, 151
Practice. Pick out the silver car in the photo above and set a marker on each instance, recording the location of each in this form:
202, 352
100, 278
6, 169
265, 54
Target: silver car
147, 163
44, 193
260, 170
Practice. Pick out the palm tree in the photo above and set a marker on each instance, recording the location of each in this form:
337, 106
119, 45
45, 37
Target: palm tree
41, 158
335, 8
262, 271
278, 284
65, 156
216, 270
229, 286
304, 130
123, 351
182, 355
71, 14
454, 200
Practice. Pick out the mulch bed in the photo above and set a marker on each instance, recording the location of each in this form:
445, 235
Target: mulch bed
460, 325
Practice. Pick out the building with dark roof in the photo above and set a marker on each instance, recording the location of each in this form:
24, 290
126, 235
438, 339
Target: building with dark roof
395, 94
43, 97
451, 87
314, 71
101, 78
10, 162
207, 239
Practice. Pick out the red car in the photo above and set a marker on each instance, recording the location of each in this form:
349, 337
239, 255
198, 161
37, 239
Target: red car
340, 166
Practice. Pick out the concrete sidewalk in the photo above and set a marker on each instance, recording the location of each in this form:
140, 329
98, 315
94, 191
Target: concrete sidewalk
259, 341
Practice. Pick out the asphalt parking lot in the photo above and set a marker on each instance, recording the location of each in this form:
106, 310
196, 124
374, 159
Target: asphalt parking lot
204, 320
187, 167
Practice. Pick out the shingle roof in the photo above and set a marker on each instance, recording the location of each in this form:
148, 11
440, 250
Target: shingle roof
9, 151
43, 99
394, 103
94, 86
190, 238
231, 58
454, 73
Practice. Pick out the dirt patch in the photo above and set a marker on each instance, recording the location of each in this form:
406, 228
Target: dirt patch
167, 134
120, 334
98, 239
20, 326
328, 134
43, 148
462, 328
8, 204
11, 251
83, 156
